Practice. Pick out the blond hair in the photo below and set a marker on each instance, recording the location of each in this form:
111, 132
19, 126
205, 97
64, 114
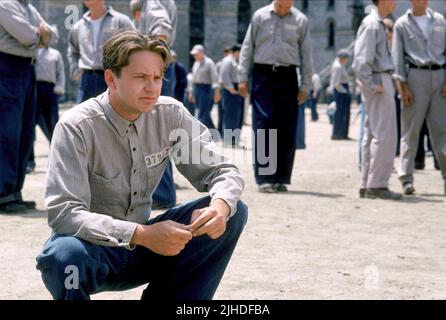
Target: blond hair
118, 49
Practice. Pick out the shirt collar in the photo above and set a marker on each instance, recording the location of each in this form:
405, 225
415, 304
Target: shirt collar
109, 11
120, 124
272, 9
429, 13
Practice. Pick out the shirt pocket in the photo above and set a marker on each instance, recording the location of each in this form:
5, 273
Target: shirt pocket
438, 40
105, 192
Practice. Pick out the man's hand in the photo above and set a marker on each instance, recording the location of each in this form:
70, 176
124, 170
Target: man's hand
444, 91
191, 98
45, 33
406, 95
379, 89
217, 95
233, 91
243, 89
302, 97
167, 238
210, 220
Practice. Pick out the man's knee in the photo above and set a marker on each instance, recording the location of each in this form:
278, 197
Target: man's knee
239, 219
63, 262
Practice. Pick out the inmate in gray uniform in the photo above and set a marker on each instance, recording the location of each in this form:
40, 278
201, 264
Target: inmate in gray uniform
411, 49
373, 65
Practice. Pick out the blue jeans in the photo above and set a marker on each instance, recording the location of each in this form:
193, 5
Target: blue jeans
312, 104
91, 85
300, 132
274, 106
195, 273
17, 122
165, 193
204, 99
342, 115
47, 111
233, 111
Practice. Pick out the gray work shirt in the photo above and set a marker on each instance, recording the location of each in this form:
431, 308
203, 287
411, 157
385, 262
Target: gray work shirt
103, 169
275, 40
410, 45
372, 52
205, 72
339, 76
49, 67
18, 28
228, 72
82, 54
159, 17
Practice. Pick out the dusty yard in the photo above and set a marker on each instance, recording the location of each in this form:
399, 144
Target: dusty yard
318, 241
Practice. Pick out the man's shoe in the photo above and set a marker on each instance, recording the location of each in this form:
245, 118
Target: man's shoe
280, 187
382, 193
362, 192
266, 188
28, 204
408, 188
13, 207
436, 165
419, 165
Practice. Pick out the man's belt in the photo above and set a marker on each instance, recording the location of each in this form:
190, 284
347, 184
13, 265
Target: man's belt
430, 67
274, 68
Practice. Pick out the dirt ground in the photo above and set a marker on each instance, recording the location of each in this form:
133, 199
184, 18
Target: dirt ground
318, 241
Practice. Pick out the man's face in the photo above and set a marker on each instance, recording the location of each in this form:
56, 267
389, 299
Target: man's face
389, 5
343, 61
199, 56
139, 86
236, 55
420, 5
93, 4
283, 7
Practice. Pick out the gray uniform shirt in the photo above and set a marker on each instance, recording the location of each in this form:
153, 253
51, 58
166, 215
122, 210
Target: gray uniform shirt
372, 53
50, 68
410, 45
228, 72
275, 40
82, 54
159, 17
103, 169
18, 28
205, 72
339, 76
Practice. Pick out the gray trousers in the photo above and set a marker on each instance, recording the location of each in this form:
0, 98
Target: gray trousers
379, 141
429, 104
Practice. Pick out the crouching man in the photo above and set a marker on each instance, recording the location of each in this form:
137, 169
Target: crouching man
107, 156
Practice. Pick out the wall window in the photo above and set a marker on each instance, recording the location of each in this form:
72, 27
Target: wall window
196, 20
331, 4
305, 5
243, 19
331, 34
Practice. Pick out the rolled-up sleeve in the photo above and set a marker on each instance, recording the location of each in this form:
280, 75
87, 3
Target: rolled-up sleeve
60, 75
398, 55
73, 53
205, 168
365, 50
68, 194
306, 65
19, 27
246, 54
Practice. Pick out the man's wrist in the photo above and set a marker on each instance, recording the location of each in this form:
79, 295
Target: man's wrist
136, 238
221, 206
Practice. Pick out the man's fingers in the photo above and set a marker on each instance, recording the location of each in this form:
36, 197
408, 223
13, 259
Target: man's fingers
209, 227
201, 220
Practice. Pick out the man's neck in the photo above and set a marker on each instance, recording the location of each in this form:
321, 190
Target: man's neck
382, 13
98, 13
114, 103
418, 13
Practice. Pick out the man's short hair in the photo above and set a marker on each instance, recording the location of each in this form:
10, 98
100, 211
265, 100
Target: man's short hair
375, 2
236, 47
117, 50
135, 5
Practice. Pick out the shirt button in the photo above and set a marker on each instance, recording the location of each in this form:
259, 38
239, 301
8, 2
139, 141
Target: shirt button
119, 240
134, 149
126, 131
135, 193
134, 170
131, 210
